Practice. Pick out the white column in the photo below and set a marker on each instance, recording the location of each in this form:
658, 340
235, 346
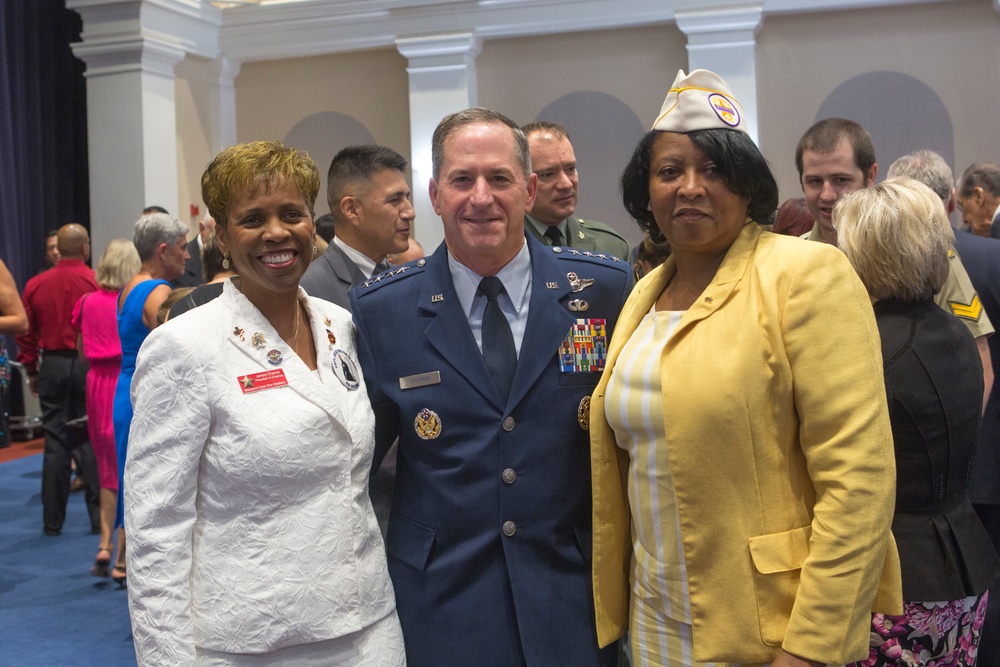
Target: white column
131, 132
442, 73
222, 102
724, 40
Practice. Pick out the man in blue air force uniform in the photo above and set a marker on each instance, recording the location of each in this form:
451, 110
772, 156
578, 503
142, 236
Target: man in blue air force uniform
481, 358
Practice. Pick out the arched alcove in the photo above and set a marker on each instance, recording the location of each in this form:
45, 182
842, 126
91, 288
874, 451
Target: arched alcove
604, 131
901, 112
322, 135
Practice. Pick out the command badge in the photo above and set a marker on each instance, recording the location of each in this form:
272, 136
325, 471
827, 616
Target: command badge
427, 424
583, 413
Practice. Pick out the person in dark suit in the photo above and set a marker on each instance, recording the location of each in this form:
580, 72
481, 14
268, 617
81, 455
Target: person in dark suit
193, 272
551, 217
481, 358
979, 198
982, 260
897, 237
372, 213
981, 257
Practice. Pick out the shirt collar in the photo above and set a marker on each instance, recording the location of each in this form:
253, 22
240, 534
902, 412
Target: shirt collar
540, 227
365, 263
515, 277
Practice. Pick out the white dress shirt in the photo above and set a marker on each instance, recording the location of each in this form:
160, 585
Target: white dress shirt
514, 300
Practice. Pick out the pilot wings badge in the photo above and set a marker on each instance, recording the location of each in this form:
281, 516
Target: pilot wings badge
577, 283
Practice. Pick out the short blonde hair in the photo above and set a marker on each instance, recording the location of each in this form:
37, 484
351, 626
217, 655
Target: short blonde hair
256, 167
119, 263
897, 236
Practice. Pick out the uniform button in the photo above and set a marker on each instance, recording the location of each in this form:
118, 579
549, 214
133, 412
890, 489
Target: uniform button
508, 424
509, 528
508, 476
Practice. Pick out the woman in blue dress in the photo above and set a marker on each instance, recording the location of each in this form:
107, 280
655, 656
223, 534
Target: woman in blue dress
162, 244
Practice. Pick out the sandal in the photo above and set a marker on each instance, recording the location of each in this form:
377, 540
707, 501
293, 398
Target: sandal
102, 562
119, 576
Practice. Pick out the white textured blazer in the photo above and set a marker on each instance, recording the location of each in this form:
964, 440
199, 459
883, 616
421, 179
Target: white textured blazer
249, 523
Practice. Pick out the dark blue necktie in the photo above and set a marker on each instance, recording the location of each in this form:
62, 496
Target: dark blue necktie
498, 342
379, 268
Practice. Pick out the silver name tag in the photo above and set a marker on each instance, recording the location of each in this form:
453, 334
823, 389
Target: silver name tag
420, 380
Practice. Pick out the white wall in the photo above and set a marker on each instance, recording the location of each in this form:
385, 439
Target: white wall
953, 47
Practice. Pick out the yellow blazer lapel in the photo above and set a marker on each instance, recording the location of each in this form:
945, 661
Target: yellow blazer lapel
731, 271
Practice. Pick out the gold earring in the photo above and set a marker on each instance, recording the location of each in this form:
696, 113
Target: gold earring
225, 261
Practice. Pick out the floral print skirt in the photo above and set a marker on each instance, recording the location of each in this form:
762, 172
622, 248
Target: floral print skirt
928, 634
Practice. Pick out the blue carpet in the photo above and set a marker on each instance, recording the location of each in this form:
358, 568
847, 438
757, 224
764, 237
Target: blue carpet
53, 613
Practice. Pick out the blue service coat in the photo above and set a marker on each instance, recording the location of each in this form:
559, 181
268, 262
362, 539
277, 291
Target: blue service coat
489, 537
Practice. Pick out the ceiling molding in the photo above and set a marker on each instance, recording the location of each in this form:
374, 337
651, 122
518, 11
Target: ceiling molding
294, 28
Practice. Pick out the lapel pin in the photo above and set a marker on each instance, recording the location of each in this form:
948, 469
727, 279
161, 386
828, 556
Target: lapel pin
552, 285
238, 332
581, 234
326, 321
345, 370
274, 357
437, 298
258, 340
709, 299
330, 337
578, 305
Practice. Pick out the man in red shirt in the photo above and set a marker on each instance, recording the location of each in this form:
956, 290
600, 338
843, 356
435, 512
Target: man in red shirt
57, 375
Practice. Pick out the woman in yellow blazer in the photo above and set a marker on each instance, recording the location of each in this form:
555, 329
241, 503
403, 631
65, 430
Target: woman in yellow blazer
742, 458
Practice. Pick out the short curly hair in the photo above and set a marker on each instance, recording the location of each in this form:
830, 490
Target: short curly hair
256, 166
740, 162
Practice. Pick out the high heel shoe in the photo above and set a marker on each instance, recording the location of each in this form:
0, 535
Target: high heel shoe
102, 562
119, 576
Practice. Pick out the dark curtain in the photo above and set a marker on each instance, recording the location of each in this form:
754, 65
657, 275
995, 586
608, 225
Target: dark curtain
43, 130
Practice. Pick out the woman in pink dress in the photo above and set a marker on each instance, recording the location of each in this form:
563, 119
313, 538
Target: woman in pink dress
96, 322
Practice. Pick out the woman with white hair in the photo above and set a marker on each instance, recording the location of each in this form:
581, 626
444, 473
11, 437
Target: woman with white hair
162, 245
897, 236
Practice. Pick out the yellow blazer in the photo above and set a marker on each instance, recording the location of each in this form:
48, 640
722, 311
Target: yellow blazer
781, 455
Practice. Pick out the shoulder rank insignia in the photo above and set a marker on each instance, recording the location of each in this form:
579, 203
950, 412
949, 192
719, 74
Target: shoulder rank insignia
599, 257
970, 311
390, 276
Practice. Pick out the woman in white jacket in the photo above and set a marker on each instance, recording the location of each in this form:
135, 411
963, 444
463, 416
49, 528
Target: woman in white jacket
252, 537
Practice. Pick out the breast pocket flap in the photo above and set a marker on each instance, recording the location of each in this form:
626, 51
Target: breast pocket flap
409, 542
